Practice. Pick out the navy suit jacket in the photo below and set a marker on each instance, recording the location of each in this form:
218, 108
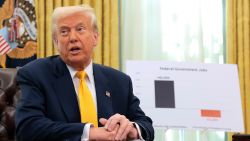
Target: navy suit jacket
48, 108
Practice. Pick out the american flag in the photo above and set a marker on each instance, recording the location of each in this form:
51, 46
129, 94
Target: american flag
5, 45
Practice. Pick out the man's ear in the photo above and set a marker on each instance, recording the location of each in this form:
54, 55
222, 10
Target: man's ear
55, 40
96, 38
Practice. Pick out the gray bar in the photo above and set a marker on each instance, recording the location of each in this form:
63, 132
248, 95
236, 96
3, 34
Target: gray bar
164, 94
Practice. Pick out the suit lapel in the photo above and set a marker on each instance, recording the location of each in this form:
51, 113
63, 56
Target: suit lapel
103, 93
65, 91
67, 97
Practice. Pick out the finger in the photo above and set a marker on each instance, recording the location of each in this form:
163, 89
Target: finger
123, 125
103, 121
115, 132
112, 122
128, 129
116, 129
108, 122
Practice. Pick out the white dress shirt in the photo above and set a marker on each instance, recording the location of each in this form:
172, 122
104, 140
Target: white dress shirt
91, 85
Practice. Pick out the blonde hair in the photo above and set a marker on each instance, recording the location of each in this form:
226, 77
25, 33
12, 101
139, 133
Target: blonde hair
60, 12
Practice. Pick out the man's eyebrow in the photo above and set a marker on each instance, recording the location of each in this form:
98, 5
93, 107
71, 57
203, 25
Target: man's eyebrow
63, 27
66, 27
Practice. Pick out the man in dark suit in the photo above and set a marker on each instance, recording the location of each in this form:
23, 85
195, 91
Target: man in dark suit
50, 106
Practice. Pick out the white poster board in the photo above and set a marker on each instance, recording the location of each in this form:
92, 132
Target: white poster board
188, 95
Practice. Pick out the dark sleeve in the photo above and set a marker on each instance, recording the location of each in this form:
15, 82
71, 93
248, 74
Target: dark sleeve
31, 122
138, 116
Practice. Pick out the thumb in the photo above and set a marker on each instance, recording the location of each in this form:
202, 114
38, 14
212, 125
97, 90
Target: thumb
103, 121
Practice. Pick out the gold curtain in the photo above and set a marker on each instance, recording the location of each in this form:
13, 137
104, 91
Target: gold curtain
107, 51
238, 50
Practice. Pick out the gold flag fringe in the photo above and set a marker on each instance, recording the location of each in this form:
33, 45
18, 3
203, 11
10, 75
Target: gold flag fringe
29, 50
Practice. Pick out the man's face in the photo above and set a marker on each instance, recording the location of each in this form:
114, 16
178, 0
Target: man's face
75, 39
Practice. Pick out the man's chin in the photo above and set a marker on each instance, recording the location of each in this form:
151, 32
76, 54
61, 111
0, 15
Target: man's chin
79, 62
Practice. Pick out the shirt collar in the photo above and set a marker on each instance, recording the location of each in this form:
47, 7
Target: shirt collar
88, 70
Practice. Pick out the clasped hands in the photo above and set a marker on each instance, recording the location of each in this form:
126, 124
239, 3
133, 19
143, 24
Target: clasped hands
117, 128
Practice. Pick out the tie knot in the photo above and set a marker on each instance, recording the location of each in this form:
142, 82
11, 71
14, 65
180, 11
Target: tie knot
81, 74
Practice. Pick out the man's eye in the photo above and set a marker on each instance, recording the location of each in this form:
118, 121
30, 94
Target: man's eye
64, 32
80, 29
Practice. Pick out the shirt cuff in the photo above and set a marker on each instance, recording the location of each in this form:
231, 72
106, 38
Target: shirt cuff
85, 133
139, 131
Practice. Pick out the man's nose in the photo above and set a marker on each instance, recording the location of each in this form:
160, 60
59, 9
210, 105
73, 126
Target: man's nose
73, 37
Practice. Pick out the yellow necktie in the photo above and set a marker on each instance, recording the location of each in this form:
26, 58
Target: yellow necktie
86, 103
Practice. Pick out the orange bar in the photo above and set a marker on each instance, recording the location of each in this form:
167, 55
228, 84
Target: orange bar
210, 113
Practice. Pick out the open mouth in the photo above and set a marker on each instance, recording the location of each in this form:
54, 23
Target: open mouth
75, 50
